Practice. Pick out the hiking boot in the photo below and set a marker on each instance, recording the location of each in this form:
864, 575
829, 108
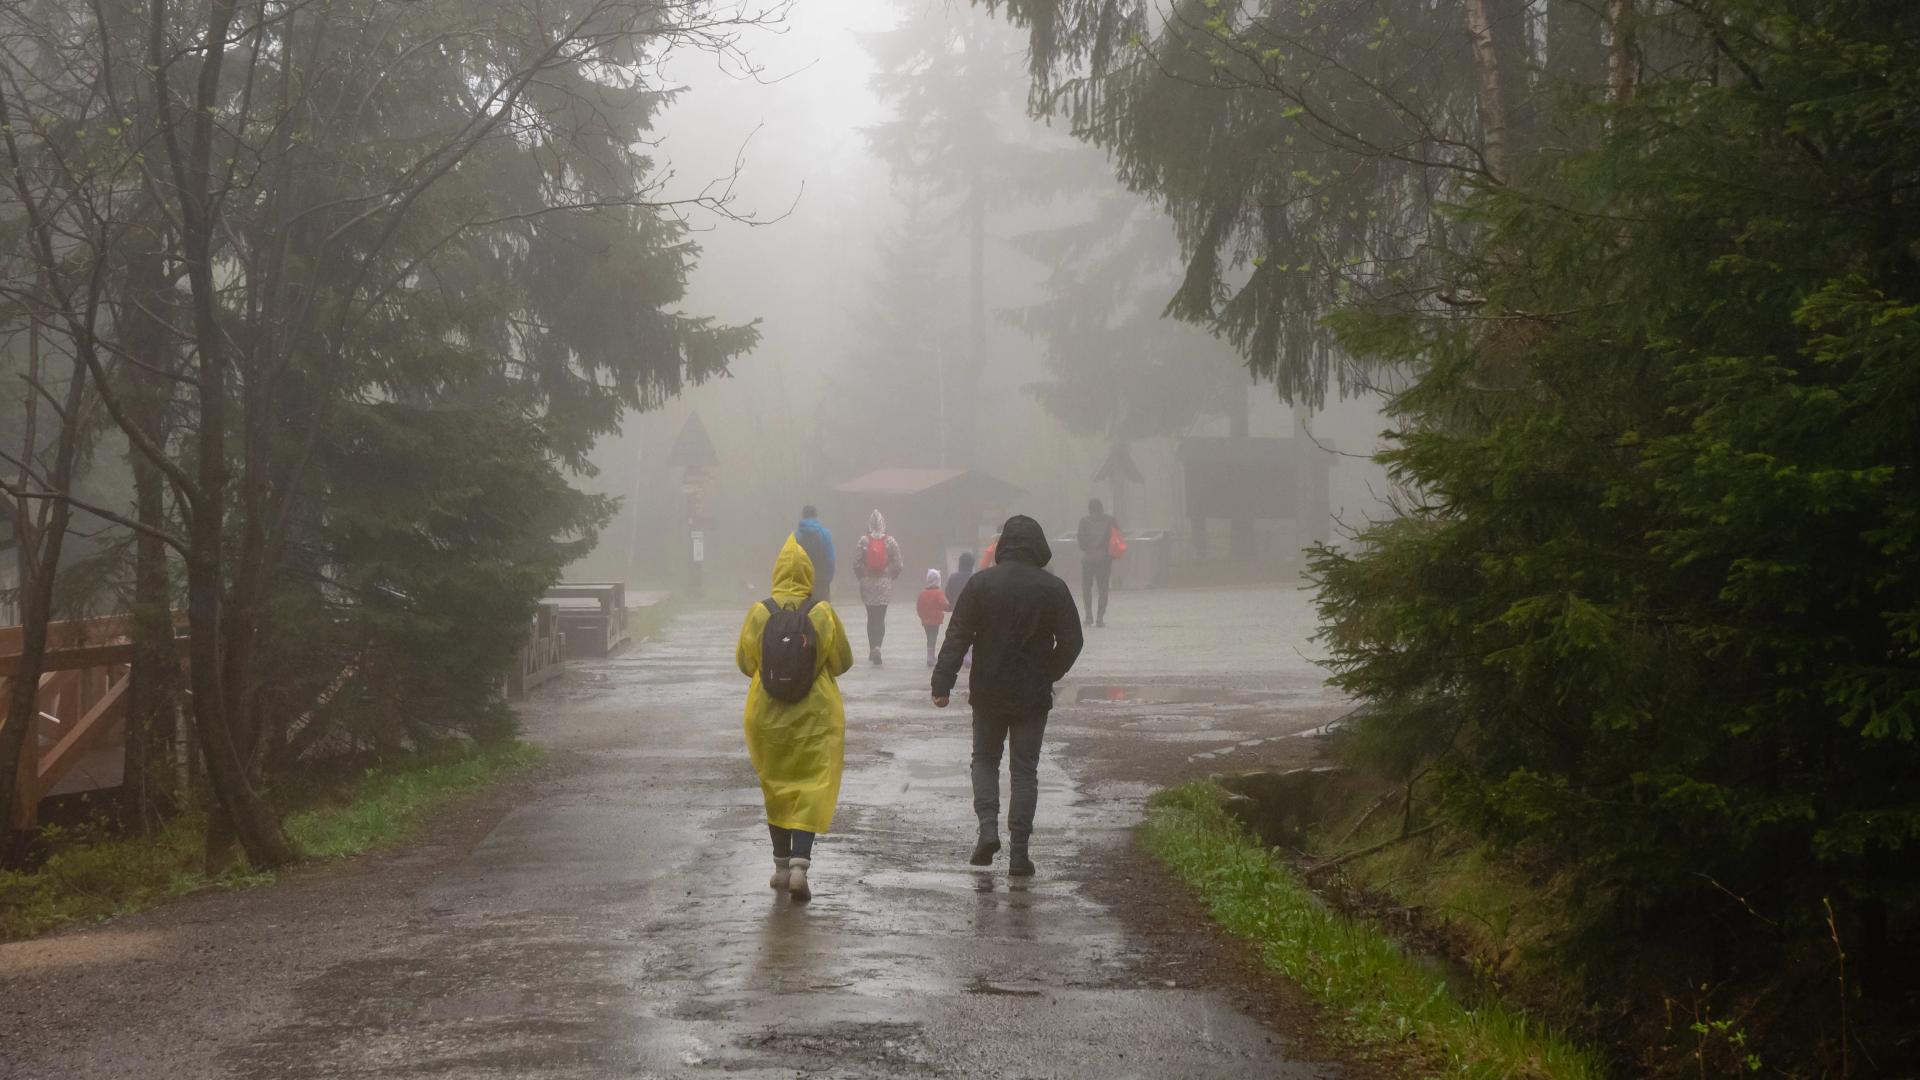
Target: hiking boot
780, 870
873, 657
797, 879
984, 850
1018, 865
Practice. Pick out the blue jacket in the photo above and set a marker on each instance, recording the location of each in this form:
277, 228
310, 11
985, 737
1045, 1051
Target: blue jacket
817, 542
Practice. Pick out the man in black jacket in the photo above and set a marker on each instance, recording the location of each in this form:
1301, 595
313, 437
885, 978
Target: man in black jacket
1024, 631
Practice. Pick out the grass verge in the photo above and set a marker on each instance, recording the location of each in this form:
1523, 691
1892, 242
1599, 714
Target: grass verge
388, 804
1389, 1000
92, 877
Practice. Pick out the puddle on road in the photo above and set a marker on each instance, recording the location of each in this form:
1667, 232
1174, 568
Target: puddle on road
1153, 695
980, 985
1169, 723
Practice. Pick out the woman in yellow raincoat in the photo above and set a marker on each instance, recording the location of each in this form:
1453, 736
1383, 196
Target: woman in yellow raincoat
798, 747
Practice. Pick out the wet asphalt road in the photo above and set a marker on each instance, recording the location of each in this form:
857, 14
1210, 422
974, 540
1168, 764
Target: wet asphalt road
613, 920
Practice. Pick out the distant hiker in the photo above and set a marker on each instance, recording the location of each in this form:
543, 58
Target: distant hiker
876, 562
958, 584
961, 575
793, 647
933, 608
817, 542
1100, 543
1021, 623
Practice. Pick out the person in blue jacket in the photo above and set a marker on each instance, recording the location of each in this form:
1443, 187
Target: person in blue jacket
817, 542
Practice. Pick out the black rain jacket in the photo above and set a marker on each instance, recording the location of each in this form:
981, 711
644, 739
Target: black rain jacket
1020, 622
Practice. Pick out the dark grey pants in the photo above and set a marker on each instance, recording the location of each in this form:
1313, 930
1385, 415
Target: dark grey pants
1095, 574
993, 730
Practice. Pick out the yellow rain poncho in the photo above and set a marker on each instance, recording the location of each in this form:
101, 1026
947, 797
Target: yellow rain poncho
798, 748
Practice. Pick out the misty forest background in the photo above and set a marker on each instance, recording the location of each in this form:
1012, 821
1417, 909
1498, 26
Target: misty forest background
336, 342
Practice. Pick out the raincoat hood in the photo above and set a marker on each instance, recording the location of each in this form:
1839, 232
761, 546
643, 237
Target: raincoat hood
933, 579
792, 573
876, 524
1022, 539
966, 561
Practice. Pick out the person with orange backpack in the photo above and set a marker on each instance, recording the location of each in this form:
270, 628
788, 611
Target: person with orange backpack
876, 562
1100, 542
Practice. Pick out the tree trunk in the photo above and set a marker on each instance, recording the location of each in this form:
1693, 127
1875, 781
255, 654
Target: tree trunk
1501, 56
252, 820
1620, 67
41, 545
245, 812
1491, 88
154, 678
15, 795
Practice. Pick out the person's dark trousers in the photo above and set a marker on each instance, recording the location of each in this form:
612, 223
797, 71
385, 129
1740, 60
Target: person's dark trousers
933, 637
876, 625
993, 730
1095, 572
791, 843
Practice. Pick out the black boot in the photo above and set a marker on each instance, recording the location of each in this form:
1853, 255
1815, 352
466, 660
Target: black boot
1018, 865
985, 848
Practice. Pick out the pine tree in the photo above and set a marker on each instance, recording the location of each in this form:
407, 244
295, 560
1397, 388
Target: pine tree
1654, 609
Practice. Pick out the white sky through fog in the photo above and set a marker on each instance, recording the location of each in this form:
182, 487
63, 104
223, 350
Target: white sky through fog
797, 127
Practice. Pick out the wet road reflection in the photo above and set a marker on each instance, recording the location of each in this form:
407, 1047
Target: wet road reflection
620, 924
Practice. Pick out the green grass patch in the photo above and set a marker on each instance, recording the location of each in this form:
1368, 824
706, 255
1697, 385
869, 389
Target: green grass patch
91, 876
388, 804
1390, 1001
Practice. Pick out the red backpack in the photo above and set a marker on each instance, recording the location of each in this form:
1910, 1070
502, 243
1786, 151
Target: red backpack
876, 554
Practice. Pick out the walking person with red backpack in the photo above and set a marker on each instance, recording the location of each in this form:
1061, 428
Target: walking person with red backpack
793, 648
876, 563
1100, 543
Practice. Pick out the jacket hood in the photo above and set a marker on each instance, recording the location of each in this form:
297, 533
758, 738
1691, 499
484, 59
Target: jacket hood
933, 579
792, 573
876, 524
966, 561
1022, 538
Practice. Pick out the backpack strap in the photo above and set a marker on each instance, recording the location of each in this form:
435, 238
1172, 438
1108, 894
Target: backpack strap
806, 606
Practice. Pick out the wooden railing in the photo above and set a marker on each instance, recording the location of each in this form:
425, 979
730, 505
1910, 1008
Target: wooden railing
541, 655
80, 712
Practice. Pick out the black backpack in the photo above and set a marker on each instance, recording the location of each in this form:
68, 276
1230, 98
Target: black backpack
788, 651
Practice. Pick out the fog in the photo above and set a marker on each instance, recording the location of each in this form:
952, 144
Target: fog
856, 367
